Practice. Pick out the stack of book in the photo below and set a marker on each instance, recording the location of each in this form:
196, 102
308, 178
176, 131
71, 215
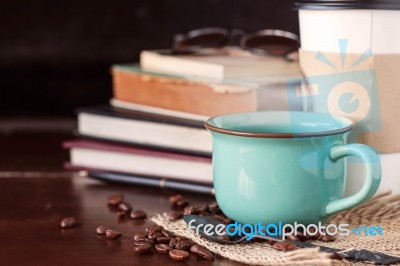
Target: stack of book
152, 131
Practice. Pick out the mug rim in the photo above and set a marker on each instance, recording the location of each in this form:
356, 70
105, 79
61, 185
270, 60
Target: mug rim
251, 134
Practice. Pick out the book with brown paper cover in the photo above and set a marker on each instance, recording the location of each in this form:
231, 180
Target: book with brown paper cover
199, 96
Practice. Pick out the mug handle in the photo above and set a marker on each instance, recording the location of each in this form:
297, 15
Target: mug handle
372, 180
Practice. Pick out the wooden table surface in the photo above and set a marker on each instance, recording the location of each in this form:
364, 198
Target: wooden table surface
31, 209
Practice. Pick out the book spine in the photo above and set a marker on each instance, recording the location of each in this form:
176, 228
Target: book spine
137, 180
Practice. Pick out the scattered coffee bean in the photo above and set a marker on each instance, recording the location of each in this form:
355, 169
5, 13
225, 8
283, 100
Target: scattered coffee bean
111, 234
142, 249
213, 205
68, 222
139, 236
164, 239
115, 199
221, 218
183, 244
292, 237
182, 204
316, 233
190, 210
336, 256
101, 230
173, 241
204, 213
175, 216
177, 247
327, 238
227, 221
284, 246
175, 198
155, 235
177, 254
167, 233
202, 252
138, 214
163, 248
203, 207
121, 214
214, 208
303, 237
124, 206
154, 229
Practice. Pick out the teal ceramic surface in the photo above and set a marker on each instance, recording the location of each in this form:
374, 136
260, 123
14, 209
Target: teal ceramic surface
287, 167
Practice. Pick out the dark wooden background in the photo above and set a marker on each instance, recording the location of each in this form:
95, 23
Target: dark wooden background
55, 55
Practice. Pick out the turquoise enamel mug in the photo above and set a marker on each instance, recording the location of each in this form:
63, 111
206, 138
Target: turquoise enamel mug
287, 167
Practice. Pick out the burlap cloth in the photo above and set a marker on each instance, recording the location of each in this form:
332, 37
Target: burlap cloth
383, 210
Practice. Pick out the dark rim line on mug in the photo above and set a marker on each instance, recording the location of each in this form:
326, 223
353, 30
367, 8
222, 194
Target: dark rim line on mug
280, 135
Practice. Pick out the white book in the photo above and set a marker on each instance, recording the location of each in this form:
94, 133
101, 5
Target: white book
135, 160
144, 128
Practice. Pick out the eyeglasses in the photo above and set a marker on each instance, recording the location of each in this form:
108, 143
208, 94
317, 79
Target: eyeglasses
264, 42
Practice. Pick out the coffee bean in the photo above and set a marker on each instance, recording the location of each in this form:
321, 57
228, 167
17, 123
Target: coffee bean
202, 252
173, 242
336, 256
142, 242
155, 235
221, 218
175, 198
227, 221
182, 203
303, 237
204, 213
101, 229
312, 230
142, 249
121, 214
175, 216
167, 233
202, 207
124, 206
327, 238
213, 205
292, 237
183, 244
284, 246
164, 239
154, 229
139, 236
162, 248
231, 230
111, 234
190, 210
177, 254
214, 208
138, 214
68, 222
115, 199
